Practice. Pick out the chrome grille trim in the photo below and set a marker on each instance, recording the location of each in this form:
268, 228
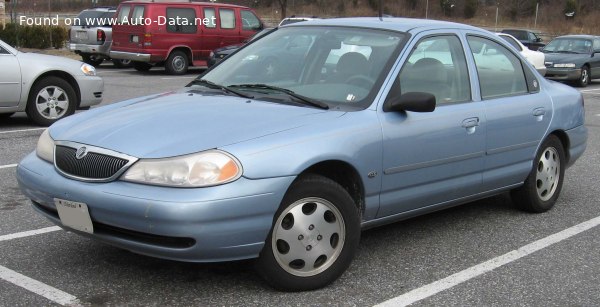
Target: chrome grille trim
94, 150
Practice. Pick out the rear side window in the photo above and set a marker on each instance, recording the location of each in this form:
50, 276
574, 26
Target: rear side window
227, 17
138, 15
250, 21
181, 20
209, 14
123, 16
500, 71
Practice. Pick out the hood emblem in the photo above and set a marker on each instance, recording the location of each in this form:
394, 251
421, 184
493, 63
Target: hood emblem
81, 153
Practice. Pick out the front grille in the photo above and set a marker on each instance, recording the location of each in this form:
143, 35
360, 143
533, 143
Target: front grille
92, 166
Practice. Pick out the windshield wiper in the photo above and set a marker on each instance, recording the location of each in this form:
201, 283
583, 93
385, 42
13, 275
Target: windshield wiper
305, 100
226, 89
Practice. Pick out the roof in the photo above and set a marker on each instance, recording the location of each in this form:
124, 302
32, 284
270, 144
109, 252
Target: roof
584, 36
394, 24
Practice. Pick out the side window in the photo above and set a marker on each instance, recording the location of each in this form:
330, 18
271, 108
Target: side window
513, 42
138, 15
2, 51
209, 14
249, 21
500, 71
437, 66
227, 18
123, 16
596, 44
181, 20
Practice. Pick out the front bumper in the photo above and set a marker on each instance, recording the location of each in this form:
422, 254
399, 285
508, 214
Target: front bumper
563, 74
133, 56
221, 223
91, 90
103, 50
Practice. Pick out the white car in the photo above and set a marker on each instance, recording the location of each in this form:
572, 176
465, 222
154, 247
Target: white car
47, 87
536, 58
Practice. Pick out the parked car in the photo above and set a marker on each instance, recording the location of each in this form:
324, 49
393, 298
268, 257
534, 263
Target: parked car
220, 53
91, 37
178, 34
536, 58
527, 37
573, 58
289, 166
47, 87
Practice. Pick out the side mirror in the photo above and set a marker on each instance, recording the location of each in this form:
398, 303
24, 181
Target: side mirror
412, 101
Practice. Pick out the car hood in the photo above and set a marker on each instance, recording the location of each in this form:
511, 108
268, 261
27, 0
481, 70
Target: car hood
183, 122
44, 62
566, 58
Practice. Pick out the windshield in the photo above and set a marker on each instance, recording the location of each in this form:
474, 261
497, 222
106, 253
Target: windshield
569, 45
339, 67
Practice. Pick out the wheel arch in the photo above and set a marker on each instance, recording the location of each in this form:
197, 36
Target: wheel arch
186, 49
345, 175
564, 140
59, 74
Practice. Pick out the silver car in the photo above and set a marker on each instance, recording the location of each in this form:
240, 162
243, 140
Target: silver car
91, 36
47, 87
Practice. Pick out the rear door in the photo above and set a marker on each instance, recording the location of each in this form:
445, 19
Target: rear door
250, 24
10, 79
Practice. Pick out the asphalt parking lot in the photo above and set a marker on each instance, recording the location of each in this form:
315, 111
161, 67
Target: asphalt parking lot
484, 253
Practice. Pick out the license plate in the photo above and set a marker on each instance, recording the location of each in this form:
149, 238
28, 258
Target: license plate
74, 215
81, 35
135, 39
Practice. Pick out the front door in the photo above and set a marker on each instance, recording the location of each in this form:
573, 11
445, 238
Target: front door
10, 79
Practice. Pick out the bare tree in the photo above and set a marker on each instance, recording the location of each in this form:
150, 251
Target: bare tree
283, 5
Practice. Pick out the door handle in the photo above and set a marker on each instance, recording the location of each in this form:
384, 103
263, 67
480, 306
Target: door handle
539, 113
470, 124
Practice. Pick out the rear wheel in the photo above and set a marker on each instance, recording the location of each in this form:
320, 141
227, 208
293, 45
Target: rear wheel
51, 99
91, 59
121, 63
142, 66
315, 235
177, 63
544, 183
584, 79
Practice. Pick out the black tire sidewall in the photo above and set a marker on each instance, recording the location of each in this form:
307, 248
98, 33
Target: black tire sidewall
580, 82
31, 109
142, 66
526, 197
321, 187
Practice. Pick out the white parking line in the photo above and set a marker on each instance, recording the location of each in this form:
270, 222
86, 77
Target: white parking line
482, 268
39, 288
8, 166
22, 130
592, 90
28, 233
175, 78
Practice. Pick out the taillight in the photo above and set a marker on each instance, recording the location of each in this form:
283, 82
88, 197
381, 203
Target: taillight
100, 35
147, 39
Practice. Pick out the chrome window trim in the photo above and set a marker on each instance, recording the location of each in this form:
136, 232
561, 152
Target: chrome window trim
99, 150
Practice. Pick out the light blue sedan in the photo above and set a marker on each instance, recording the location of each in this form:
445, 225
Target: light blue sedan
286, 154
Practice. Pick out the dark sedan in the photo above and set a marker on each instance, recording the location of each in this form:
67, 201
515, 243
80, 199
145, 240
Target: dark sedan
220, 53
573, 58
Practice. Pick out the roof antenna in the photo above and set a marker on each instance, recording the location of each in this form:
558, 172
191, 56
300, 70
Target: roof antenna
381, 10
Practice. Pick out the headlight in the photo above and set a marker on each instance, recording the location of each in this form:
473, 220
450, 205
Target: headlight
203, 169
88, 69
45, 147
569, 65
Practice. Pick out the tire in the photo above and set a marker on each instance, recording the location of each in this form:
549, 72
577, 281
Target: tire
51, 99
177, 63
93, 60
544, 183
584, 79
142, 66
121, 63
330, 243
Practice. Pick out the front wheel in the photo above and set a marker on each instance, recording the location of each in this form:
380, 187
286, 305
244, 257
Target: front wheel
51, 99
177, 63
584, 79
314, 237
544, 183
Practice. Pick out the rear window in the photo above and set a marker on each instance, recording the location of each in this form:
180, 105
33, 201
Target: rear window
94, 18
227, 17
181, 20
123, 16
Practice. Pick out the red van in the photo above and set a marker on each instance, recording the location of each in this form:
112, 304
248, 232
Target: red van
178, 34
